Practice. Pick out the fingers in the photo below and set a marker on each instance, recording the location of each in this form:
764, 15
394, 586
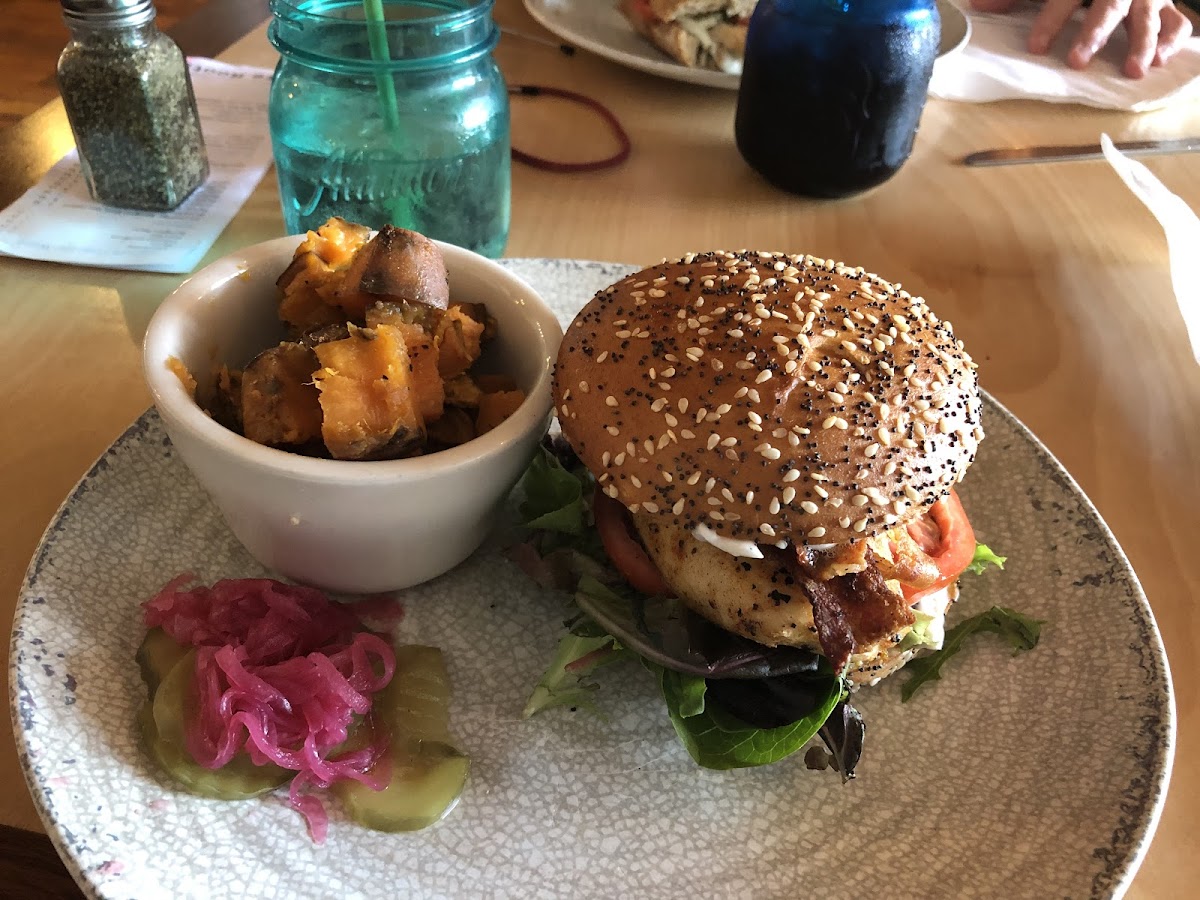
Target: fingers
1142, 25
1049, 22
1098, 25
1156, 29
1174, 29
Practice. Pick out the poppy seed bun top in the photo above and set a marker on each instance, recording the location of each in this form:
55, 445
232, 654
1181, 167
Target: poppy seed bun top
769, 397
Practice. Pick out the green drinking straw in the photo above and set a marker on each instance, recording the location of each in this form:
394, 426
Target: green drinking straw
377, 38
399, 208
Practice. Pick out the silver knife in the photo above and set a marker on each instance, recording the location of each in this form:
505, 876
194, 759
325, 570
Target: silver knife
1014, 156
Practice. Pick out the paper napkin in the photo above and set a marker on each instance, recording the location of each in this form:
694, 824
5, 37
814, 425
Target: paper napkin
57, 221
1181, 226
996, 66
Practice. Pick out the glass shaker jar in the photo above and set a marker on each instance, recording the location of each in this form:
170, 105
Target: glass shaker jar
392, 112
832, 91
129, 99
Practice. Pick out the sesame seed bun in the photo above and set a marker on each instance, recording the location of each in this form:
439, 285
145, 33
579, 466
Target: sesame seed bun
768, 397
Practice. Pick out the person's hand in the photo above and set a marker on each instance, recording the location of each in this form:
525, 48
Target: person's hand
1156, 29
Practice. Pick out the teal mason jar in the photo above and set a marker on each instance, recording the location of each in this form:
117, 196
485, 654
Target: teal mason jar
390, 112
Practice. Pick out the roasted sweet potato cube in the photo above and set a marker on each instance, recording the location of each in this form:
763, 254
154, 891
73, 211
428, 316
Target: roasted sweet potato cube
315, 272
494, 408
225, 401
459, 341
336, 241
462, 391
427, 383
395, 265
479, 313
366, 395
325, 334
279, 403
300, 303
453, 428
180, 371
387, 312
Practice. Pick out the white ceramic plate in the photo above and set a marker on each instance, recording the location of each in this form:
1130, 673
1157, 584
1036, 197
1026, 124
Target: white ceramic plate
598, 27
1036, 776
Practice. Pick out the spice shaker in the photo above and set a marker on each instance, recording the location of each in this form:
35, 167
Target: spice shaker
129, 99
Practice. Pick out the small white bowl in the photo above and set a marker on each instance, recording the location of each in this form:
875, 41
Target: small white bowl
349, 527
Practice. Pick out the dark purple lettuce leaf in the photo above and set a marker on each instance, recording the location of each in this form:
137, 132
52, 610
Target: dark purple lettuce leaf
664, 631
556, 569
772, 702
843, 733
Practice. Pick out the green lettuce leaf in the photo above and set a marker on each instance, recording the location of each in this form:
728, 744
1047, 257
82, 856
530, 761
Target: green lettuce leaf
554, 499
683, 693
983, 558
1020, 631
583, 649
717, 740
919, 636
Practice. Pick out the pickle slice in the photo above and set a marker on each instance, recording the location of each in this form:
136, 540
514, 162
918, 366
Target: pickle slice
156, 657
426, 782
162, 722
415, 704
427, 772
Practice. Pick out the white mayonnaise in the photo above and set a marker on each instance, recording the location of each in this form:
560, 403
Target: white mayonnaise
733, 547
935, 605
748, 549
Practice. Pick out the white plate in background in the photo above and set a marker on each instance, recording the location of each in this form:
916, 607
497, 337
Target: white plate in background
598, 27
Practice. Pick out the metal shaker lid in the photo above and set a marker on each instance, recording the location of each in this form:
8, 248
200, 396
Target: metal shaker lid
116, 12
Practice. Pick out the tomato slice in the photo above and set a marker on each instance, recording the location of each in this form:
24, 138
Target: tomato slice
621, 543
641, 9
945, 536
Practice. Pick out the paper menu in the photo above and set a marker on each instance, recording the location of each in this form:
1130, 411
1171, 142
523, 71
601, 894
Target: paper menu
57, 221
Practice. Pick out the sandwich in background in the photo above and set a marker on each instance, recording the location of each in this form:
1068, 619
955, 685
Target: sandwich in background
701, 34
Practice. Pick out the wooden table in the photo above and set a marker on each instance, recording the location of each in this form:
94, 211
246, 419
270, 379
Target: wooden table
1054, 275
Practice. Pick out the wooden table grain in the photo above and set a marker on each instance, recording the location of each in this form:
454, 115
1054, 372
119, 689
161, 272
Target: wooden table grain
1054, 276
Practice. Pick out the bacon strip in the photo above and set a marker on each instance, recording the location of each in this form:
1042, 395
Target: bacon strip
850, 611
833, 631
910, 564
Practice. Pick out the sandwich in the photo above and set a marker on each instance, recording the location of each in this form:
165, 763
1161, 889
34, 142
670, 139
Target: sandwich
703, 34
769, 445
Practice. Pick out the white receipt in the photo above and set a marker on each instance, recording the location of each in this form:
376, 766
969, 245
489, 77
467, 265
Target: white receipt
57, 221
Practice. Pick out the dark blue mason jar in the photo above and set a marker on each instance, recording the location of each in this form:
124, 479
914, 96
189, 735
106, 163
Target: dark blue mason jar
832, 91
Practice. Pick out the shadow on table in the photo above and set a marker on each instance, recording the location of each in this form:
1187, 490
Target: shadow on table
30, 868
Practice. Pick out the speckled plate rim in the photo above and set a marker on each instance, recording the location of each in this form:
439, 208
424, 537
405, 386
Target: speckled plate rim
1130, 840
37, 790
1139, 834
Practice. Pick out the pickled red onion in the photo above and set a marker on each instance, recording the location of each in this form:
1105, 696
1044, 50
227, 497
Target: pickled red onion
282, 673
